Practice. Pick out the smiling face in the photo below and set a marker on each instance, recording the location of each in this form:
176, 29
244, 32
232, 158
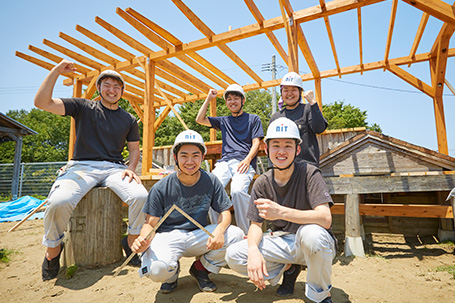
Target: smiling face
111, 90
282, 152
290, 95
189, 158
234, 102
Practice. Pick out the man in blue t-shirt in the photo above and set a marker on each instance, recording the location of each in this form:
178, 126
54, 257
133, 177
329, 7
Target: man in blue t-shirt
195, 192
241, 133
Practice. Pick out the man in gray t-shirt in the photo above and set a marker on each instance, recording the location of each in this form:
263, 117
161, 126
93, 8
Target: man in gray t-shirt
294, 198
102, 128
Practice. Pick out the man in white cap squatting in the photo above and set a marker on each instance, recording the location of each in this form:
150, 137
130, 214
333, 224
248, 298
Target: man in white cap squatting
195, 192
294, 198
102, 128
241, 135
308, 116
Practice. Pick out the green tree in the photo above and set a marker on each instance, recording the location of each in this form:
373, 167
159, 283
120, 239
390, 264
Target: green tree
339, 115
49, 145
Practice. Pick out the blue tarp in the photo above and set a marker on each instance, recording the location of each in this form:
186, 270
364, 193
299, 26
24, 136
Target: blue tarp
16, 210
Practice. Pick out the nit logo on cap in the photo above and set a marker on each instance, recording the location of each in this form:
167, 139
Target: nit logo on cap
282, 128
190, 136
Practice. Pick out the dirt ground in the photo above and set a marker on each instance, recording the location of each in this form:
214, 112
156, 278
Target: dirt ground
396, 269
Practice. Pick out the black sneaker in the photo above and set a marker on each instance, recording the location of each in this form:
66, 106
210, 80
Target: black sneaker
167, 288
49, 269
135, 261
202, 279
289, 277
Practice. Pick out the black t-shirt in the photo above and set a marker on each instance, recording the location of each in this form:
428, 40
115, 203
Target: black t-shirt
100, 132
310, 121
195, 200
305, 190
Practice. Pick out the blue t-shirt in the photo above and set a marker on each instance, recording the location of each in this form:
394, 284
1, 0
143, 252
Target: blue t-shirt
238, 134
195, 200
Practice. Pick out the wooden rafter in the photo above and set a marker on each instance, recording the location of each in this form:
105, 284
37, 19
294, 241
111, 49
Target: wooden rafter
419, 34
162, 116
174, 69
260, 19
436, 8
169, 103
41, 63
149, 34
359, 23
291, 33
417, 83
173, 40
72, 54
209, 34
329, 33
393, 14
56, 58
333, 72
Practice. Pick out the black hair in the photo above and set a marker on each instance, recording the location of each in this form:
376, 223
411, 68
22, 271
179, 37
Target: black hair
178, 146
237, 94
111, 77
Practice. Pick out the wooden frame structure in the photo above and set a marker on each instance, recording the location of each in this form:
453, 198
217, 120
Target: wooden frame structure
154, 82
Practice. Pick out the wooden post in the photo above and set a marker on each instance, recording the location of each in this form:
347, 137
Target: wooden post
77, 93
148, 140
353, 245
318, 92
95, 230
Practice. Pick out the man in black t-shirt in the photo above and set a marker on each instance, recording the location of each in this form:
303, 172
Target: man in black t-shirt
294, 198
102, 128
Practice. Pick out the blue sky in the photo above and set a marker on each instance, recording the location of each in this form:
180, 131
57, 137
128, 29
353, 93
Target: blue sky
402, 111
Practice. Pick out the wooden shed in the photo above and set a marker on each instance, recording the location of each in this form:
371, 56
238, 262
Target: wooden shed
384, 184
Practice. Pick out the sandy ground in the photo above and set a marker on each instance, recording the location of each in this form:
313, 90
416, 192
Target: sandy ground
397, 269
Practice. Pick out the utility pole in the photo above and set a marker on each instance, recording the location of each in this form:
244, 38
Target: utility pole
271, 67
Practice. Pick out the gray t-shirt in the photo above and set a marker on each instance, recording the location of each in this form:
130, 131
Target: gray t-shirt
100, 132
305, 190
194, 200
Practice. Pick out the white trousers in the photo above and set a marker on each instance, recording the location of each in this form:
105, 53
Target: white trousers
72, 185
159, 261
312, 246
240, 184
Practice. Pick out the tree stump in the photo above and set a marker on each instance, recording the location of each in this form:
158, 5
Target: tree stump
94, 232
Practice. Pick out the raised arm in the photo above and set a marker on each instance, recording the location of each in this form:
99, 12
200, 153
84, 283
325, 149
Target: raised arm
43, 98
318, 123
202, 114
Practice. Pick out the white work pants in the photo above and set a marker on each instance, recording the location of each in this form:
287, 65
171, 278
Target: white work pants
159, 261
72, 185
312, 246
240, 184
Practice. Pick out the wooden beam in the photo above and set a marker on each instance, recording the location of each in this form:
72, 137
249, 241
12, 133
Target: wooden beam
89, 49
419, 34
72, 54
171, 68
331, 73
436, 8
162, 116
393, 14
329, 33
149, 34
173, 40
91, 89
193, 18
42, 63
260, 19
291, 34
318, 92
305, 15
55, 58
148, 123
449, 86
359, 23
169, 103
399, 210
417, 83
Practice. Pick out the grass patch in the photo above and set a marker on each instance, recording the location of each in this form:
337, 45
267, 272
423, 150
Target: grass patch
5, 254
448, 268
70, 271
448, 243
